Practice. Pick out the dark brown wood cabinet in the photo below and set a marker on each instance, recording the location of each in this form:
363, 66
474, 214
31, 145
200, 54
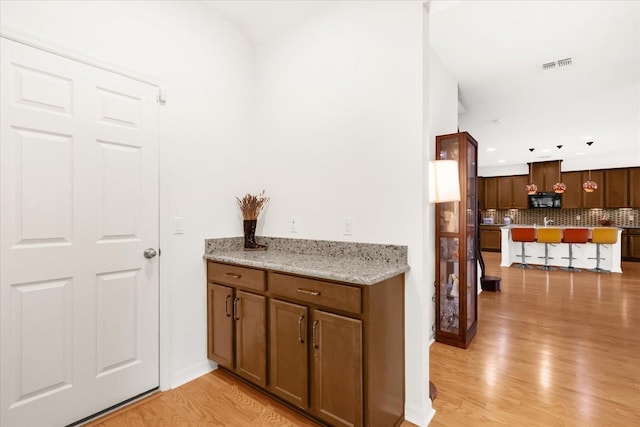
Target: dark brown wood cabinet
335, 351
337, 383
456, 247
573, 195
511, 192
481, 192
616, 188
490, 193
545, 174
595, 199
631, 244
634, 187
490, 238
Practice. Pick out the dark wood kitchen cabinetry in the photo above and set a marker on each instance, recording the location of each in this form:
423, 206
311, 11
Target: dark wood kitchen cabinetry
631, 244
335, 351
237, 321
512, 192
634, 187
490, 192
595, 199
616, 188
490, 238
545, 174
573, 195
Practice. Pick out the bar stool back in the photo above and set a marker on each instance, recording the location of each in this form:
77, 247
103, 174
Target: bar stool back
523, 235
602, 236
548, 236
573, 236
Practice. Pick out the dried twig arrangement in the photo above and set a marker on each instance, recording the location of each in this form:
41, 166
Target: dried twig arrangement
251, 205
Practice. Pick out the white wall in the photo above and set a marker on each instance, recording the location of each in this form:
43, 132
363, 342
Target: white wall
339, 133
205, 67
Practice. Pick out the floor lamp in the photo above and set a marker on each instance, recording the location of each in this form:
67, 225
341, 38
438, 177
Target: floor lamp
444, 186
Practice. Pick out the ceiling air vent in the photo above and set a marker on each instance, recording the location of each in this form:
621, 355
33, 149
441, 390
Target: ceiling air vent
560, 63
549, 66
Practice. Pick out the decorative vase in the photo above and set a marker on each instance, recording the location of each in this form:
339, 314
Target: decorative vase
250, 236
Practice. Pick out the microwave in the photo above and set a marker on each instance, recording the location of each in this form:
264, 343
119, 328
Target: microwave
545, 200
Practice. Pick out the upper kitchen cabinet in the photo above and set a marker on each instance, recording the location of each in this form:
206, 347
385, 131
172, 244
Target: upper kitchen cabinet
490, 193
511, 192
616, 188
634, 187
573, 195
545, 174
595, 199
481, 201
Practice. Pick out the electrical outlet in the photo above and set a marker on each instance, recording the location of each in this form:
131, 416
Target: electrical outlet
347, 226
293, 224
577, 217
630, 217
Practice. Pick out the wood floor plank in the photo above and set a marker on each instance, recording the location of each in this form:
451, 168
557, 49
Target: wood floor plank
552, 349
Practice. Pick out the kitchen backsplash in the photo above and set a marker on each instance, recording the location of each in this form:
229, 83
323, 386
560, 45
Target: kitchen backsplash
588, 217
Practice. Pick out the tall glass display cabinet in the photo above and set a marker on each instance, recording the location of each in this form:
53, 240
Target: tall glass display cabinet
456, 243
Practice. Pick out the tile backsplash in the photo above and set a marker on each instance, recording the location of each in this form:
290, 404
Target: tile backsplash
576, 217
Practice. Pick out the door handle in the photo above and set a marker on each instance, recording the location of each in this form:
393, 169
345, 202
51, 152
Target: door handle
235, 309
315, 338
300, 319
149, 253
226, 306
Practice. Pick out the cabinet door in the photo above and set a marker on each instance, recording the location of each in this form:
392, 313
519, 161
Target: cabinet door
505, 191
481, 198
491, 193
633, 251
219, 316
288, 373
520, 197
336, 385
490, 239
572, 197
595, 199
249, 312
634, 187
616, 188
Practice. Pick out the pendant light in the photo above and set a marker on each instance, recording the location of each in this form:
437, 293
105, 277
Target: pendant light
590, 186
559, 186
531, 187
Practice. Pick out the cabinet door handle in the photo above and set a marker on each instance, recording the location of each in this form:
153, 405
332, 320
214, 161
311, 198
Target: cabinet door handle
308, 292
315, 335
235, 309
226, 306
233, 275
300, 319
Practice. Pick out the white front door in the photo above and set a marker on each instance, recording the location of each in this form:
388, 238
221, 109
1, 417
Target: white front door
78, 207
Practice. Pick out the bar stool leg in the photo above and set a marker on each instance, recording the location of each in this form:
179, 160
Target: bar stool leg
546, 257
524, 264
570, 267
598, 258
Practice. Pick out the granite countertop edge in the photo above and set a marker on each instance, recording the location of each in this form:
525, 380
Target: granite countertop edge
317, 266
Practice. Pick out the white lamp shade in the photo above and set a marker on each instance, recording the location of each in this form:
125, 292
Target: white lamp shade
444, 181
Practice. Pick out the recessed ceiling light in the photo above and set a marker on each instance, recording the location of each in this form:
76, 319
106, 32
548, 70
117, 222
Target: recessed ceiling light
580, 153
501, 161
588, 138
546, 150
490, 149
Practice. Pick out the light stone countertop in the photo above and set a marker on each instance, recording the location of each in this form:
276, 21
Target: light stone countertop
358, 263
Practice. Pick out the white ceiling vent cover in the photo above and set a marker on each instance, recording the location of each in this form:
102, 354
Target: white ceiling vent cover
554, 65
565, 62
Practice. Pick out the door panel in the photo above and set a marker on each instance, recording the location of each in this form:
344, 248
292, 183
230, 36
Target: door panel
337, 369
220, 309
251, 337
79, 204
288, 373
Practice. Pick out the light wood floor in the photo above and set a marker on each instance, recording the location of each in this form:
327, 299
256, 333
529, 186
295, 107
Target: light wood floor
552, 349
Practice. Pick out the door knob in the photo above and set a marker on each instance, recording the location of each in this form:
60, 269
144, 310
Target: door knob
149, 253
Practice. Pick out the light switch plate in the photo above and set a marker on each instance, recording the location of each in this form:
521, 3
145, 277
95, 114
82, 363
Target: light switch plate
178, 225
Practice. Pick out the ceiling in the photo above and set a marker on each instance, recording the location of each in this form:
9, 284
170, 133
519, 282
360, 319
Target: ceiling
495, 49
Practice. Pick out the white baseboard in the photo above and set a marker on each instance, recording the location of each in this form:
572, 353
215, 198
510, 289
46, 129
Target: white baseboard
190, 373
419, 416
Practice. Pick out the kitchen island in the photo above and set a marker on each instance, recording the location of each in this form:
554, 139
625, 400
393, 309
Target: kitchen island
611, 254
318, 325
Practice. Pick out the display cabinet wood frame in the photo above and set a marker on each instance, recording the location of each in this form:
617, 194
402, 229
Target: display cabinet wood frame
456, 246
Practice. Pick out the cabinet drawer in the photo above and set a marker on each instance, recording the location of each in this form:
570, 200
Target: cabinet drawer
332, 295
235, 275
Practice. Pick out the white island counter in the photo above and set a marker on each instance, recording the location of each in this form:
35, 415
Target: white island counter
611, 254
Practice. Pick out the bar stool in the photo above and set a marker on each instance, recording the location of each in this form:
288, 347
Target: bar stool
548, 236
572, 236
523, 235
602, 236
